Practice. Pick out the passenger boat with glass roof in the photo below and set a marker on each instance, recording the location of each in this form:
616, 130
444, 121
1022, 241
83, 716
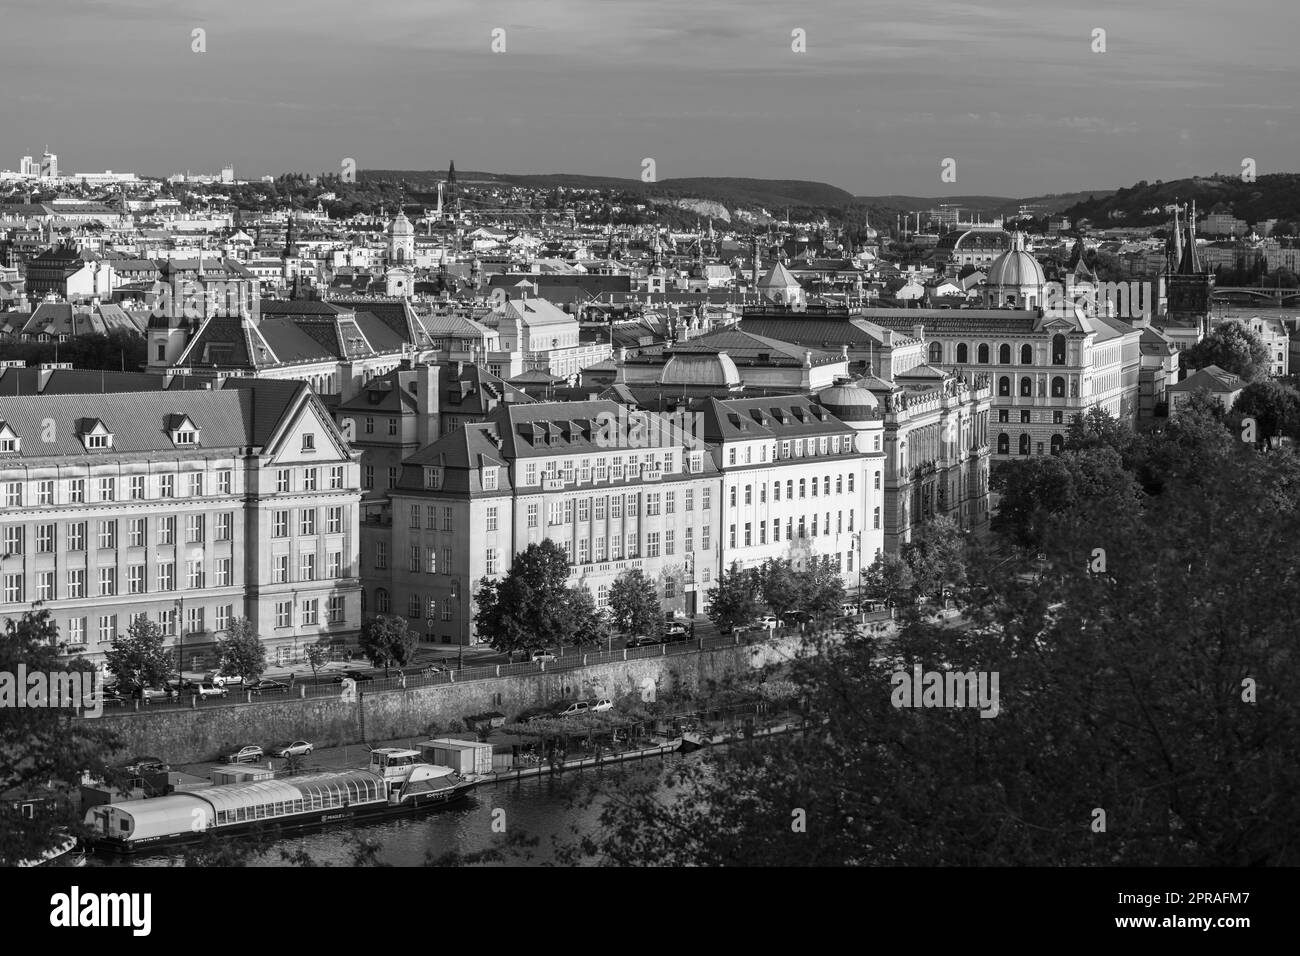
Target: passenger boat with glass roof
396, 783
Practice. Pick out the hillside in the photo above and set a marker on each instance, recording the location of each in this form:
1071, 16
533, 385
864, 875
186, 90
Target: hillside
774, 194
1274, 196
986, 206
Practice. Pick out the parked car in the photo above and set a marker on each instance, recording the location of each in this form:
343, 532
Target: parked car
602, 705
157, 693
112, 698
542, 657
299, 748
643, 640
768, 621
676, 629
244, 754
209, 689
848, 609
221, 680
268, 686
353, 675
574, 709
431, 670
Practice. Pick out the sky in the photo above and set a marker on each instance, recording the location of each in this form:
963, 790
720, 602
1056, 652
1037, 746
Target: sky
883, 94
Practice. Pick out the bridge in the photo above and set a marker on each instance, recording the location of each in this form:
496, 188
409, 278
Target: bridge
1257, 295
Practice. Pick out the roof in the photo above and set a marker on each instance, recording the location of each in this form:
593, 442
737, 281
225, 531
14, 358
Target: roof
1211, 378
745, 419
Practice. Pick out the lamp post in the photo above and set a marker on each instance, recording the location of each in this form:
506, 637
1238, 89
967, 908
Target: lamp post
455, 597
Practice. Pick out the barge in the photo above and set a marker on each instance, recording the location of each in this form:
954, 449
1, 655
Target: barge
397, 783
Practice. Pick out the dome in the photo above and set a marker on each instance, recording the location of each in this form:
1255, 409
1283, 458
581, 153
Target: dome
1016, 268
401, 226
848, 402
701, 370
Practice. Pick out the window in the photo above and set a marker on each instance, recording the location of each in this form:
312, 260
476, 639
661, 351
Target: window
490, 478
167, 486
223, 615
76, 537
77, 630
167, 530
334, 520
194, 529
877, 480
308, 520
99, 441
1024, 443
166, 575
107, 489
223, 572
282, 480
225, 526
652, 544
1058, 349
336, 609
76, 492
44, 538
1004, 415
45, 492
446, 519
311, 612
370, 425
1026, 387
336, 477
223, 482
1058, 387
1004, 386
446, 559
1058, 417
704, 499
532, 515
490, 561
984, 355
13, 589
308, 441
309, 479
1004, 444
381, 555
45, 586
936, 353
283, 609
415, 517
307, 565
652, 502
1026, 355
392, 426
704, 538
802, 487
334, 564
196, 484
193, 620
1058, 444
963, 353
194, 574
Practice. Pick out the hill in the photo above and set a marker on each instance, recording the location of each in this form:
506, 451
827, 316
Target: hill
1274, 196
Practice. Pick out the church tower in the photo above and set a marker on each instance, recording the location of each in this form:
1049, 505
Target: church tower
1189, 284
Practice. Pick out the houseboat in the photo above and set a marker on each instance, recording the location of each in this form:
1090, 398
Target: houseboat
397, 783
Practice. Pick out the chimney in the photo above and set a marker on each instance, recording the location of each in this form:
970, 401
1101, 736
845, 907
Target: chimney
426, 399
844, 351
807, 359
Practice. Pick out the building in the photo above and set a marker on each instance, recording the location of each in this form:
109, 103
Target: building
797, 483
613, 498
1222, 386
1187, 286
191, 508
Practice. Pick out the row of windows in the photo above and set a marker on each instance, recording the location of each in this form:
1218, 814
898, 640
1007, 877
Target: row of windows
309, 612
1027, 387
585, 470
307, 524
194, 529
961, 354
795, 448
824, 484
1004, 444
808, 526
106, 582
1026, 416
45, 492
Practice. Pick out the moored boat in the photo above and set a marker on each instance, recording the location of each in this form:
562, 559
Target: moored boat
396, 783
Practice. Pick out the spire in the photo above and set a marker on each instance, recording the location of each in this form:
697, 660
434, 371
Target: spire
1190, 263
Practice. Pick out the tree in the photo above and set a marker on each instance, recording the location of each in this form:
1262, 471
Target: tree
317, 655
386, 641
634, 603
937, 556
1232, 347
890, 578
139, 659
528, 609
242, 652
821, 590
586, 624
779, 586
1274, 406
43, 750
1097, 428
733, 601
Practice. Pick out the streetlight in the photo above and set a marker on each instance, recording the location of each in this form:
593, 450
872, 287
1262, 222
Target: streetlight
455, 596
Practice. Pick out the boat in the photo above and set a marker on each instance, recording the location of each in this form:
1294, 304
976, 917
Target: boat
396, 783
59, 855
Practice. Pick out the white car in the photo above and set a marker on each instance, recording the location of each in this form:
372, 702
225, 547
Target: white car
299, 748
221, 680
769, 622
253, 753
542, 657
601, 705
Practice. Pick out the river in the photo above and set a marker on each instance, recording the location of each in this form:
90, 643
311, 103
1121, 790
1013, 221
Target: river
538, 807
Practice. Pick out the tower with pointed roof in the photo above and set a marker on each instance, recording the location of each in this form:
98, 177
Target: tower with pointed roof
401, 241
1189, 284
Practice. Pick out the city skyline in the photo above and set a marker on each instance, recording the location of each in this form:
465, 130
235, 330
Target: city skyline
716, 92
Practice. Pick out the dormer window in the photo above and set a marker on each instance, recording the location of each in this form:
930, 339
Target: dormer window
183, 431
489, 478
94, 434
185, 437
432, 477
9, 441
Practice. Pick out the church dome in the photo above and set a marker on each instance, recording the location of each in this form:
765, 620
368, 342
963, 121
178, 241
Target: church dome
401, 226
848, 402
701, 370
1016, 268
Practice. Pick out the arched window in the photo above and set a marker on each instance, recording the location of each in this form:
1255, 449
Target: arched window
984, 355
1058, 387
1058, 443
1024, 443
1026, 355
1004, 354
963, 353
936, 353
1004, 385
1027, 386
1058, 349
381, 601
1004, 444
